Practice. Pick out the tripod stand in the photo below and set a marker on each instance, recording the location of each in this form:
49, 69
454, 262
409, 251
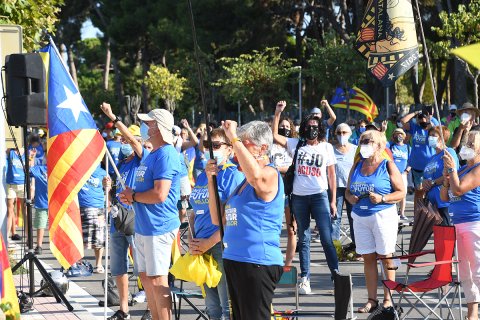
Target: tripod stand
30, 255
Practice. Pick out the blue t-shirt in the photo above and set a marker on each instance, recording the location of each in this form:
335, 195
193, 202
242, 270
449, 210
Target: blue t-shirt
114, 149
228, 179
434, 170
40, 151
15, 173
159, 218
128, 171
200, 162
400, 153
252, 230
465, 208
421, 151
378, 182
41, 190
92, 195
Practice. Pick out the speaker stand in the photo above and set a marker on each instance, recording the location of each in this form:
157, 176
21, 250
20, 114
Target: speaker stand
30, 255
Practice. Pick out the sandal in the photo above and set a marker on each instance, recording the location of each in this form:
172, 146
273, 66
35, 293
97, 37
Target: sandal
369, 306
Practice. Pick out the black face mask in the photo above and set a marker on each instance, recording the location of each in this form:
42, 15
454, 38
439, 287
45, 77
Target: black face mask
285, 132
311, 132
453, 114
424, 125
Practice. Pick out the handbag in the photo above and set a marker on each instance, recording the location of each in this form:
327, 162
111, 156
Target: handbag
125, 220
290, 174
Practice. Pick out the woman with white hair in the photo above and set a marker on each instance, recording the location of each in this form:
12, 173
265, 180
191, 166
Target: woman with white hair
252, 218
373, 188
345, 154
461, 187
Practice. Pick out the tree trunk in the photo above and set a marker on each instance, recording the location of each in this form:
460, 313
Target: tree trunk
145, 67
442, 82
346, 17
358, 13
106, 72
73, 70
475, 87
459, 83
299, 20
415, 84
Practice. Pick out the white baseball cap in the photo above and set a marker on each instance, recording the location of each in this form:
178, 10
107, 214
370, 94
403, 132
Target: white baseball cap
164, 121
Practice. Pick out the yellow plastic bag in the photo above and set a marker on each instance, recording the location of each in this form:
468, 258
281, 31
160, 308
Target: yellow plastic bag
200, 269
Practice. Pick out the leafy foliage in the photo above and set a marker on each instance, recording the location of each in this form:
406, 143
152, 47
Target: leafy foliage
165, 85
255, 77
336, 65
34, 17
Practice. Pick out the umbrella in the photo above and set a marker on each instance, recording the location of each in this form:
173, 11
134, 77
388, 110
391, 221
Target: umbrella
425, 217
469, 53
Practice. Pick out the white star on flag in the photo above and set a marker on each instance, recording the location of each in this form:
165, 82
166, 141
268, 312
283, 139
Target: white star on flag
73, 102
391, 76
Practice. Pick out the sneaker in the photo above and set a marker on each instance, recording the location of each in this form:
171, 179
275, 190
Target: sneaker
16, 237
140, 297
119, 315
38, 250
404, 218
304, 286
316, 239
147, 315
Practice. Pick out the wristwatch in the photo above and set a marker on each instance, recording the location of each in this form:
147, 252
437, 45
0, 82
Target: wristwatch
450, 170
383, 199
133, 197
116, 120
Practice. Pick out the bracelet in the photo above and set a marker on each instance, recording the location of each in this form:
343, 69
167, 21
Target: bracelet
450, 170
236, 139
133, 197
116, 120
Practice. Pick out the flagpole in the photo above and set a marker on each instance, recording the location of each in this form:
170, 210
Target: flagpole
427, 59
387, 101
107, 191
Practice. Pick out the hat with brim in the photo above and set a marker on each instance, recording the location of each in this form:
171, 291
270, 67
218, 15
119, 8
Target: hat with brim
164, 121
467, 106
134, 130
400, 131
315, 110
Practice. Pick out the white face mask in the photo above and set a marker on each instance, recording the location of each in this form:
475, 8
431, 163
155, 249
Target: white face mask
467, 153
366, 151
399, 124
343, 140
352, 128
432, 142
465, 117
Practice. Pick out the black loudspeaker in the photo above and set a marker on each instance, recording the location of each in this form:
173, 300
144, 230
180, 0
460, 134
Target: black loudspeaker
26, 97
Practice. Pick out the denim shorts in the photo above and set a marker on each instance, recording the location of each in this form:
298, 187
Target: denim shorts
119, 246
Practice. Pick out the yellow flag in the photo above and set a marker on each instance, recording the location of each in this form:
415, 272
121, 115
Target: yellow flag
470, 53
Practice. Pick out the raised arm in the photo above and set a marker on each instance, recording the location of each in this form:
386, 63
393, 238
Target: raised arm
332, 115
193, 138
406, 120
136, 146
281, 140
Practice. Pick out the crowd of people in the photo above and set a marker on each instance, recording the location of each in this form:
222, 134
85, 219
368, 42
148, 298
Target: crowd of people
268, 173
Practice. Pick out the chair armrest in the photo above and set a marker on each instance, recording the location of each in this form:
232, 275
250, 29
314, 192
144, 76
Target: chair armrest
408, 256
428, 264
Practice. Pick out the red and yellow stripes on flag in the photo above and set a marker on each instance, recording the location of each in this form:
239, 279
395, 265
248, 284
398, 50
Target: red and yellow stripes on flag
72, 158
9, 293
19, 214
362, 103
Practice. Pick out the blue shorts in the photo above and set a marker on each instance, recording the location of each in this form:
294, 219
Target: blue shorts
417, 177
119, 246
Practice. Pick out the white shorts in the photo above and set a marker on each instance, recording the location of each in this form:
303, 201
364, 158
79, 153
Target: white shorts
15, 191
153, 253
376, 233
185, 186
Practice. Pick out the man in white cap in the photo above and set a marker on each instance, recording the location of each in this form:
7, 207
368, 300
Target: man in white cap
154, 198
327, 123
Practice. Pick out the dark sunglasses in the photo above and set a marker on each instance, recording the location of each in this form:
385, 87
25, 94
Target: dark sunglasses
366, 141
215, 144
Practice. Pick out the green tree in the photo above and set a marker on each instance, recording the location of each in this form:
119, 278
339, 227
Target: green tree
34, 17
461, 28
260, 77
165, 85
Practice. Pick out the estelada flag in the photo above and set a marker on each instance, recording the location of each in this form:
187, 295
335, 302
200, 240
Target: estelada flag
74, 149
470, 53
387, 39
9, 293
357, 100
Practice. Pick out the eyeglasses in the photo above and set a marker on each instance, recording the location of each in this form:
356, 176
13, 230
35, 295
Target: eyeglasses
215, 144
366, 141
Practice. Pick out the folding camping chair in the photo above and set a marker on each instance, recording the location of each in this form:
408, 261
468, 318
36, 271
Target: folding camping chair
181, 294
441, 276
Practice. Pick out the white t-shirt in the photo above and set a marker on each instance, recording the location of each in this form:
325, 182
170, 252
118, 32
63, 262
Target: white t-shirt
280, 157
311, 167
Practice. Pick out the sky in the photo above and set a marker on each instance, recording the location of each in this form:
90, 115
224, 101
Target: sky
89, 31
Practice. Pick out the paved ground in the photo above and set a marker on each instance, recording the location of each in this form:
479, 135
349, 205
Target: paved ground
84, 293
